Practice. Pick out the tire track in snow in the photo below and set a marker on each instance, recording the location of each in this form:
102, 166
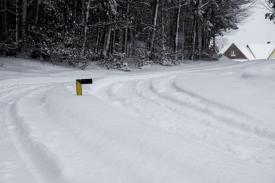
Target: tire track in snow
134, 100
42, 163
131, 148
185, 125
150, 105
146, 104
7, 91
213, 104
260, 136
12, 167
202, 106
164, 99
39, 162
232, 116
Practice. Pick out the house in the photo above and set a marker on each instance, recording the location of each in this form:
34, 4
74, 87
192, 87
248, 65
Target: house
272, 55
251, 52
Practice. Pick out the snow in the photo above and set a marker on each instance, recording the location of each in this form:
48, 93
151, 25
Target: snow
197, 122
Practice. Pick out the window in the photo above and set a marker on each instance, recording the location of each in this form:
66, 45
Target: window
232, 53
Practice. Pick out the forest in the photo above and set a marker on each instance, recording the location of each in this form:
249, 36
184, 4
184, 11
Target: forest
81, 31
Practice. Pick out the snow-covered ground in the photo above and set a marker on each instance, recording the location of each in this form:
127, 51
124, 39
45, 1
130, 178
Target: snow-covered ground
195, 123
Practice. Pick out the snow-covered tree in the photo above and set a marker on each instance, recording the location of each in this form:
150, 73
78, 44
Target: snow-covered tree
95, 29
271, 7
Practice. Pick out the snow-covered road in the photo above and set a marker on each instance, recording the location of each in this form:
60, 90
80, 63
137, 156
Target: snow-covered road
198, 122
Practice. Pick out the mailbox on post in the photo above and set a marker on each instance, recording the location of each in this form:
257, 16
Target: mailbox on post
79, 83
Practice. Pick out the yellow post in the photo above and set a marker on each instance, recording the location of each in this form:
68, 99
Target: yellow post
78, 88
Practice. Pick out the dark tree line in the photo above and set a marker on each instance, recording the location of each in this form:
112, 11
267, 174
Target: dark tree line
94, 29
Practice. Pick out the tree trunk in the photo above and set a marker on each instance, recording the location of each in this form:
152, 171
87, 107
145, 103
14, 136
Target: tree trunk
200, 40
162, 30
177, 31
2, 6
206, 39
125, 51
75, 10
83, 16
132, 47
24, 23
37, 11
3, 22
106, 46
114, 41
125, 45
200, 28
16, 26
5, 16
85, 28
214, 44
183, 40
155, 18
97, 41
194, 39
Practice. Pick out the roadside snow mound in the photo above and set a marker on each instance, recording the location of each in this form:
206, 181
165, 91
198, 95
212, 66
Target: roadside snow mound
265, 71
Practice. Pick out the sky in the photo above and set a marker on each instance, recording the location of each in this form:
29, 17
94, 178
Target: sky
253, 29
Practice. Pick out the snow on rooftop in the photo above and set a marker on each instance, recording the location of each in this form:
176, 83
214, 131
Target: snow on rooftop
244, 49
